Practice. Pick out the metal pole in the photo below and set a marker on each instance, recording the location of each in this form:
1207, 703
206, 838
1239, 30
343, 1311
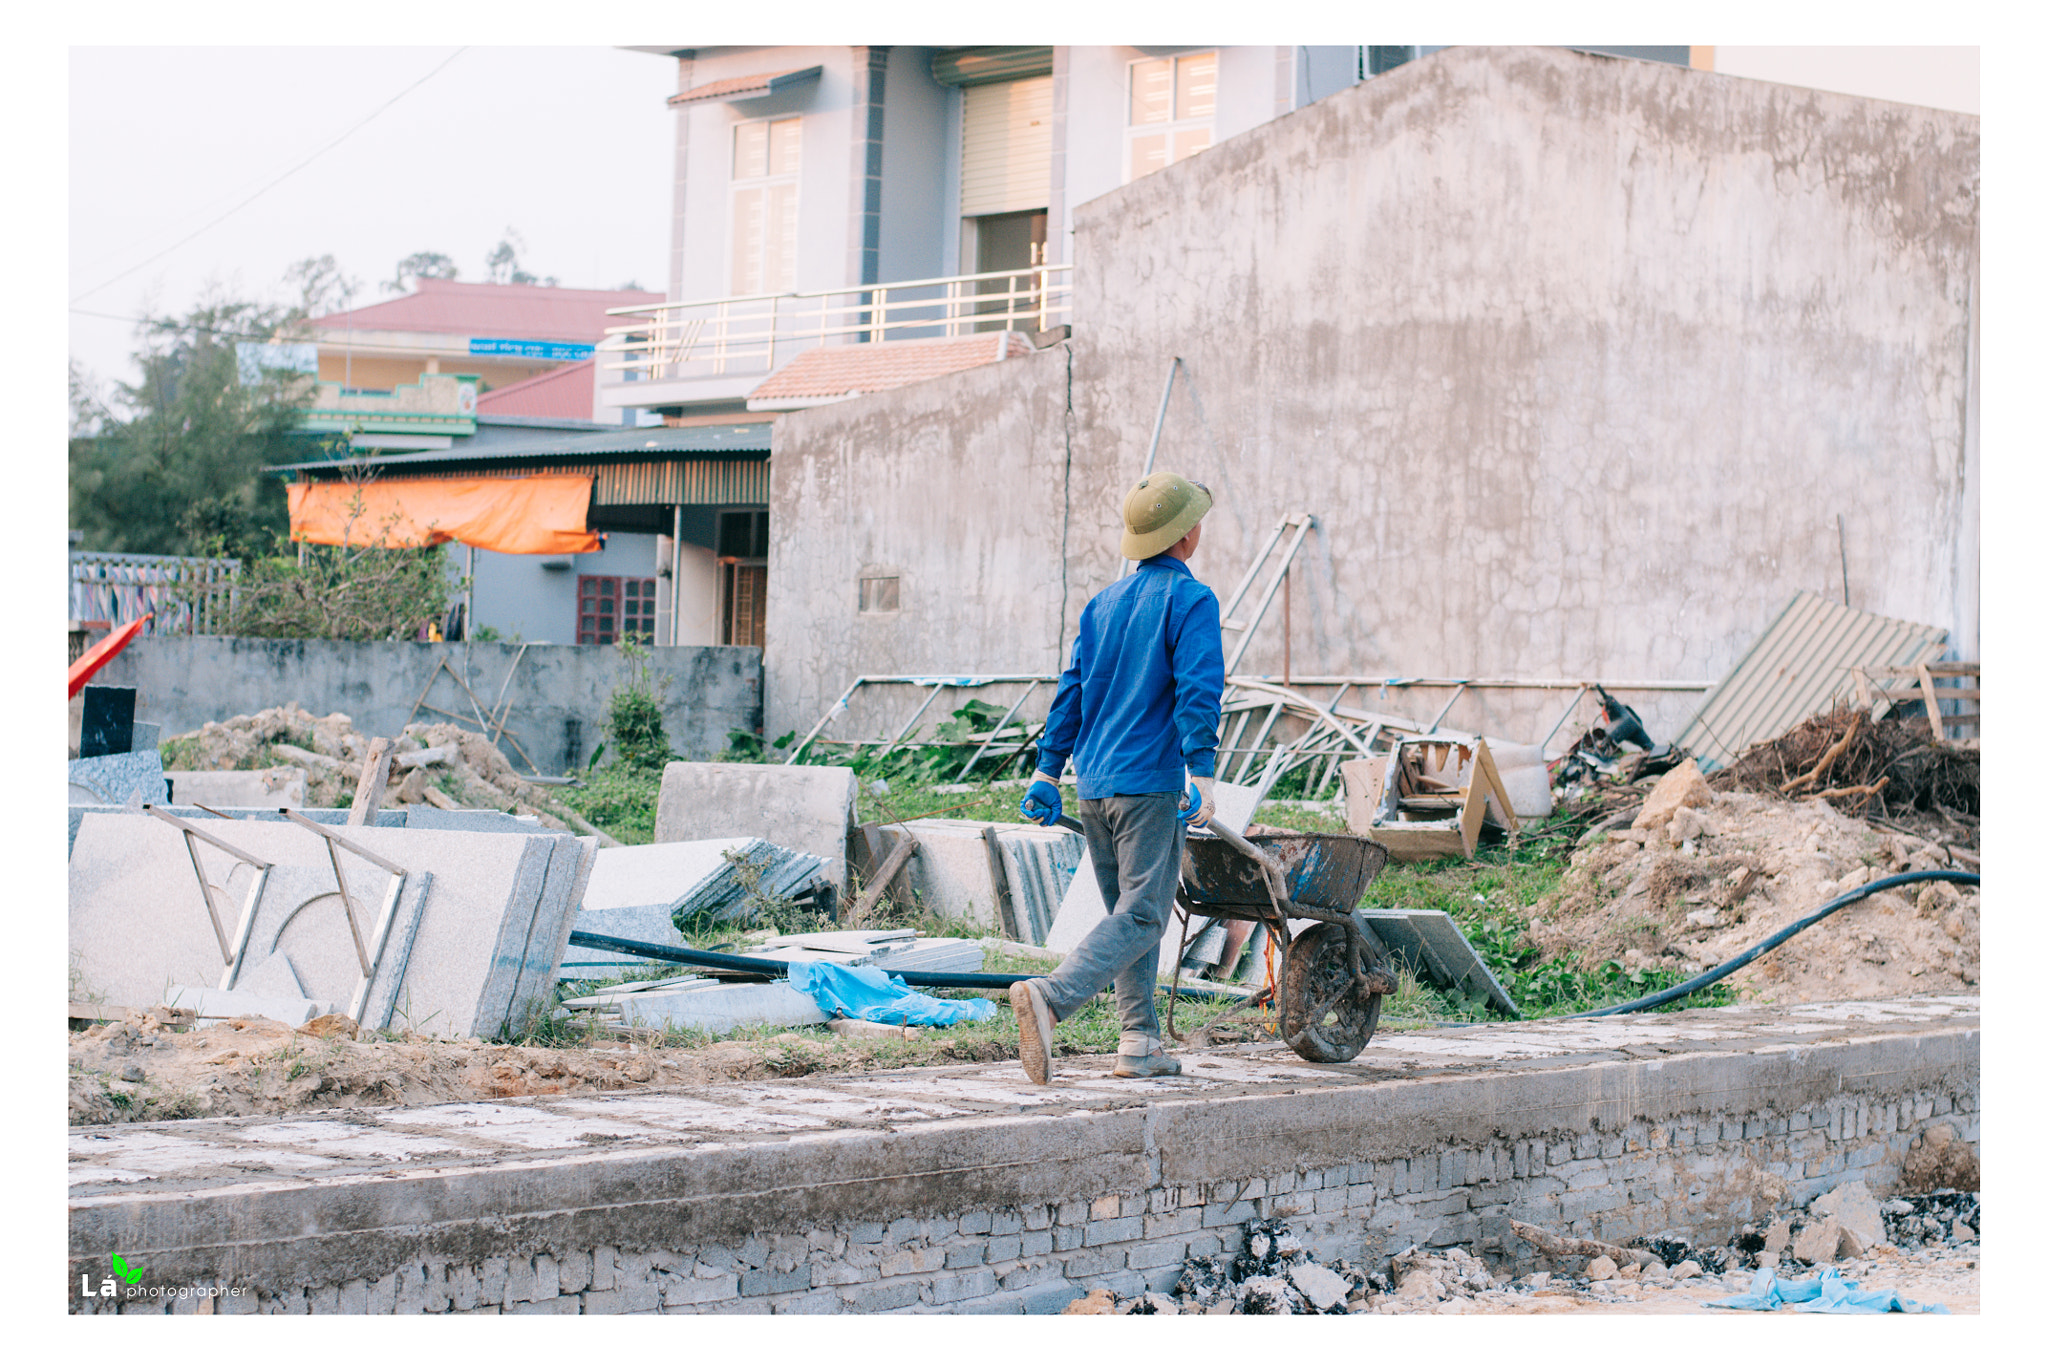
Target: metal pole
1266, 600
469, 606
1152, 451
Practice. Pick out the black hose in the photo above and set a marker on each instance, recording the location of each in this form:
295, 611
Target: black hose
1751, 954
706, 958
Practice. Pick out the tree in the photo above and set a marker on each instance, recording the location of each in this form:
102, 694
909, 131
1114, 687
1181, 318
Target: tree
179, 464
321, 287
502, 264
421, 264
360, 590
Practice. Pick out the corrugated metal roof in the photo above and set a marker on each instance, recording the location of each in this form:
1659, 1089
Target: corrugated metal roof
650, 442
1798, 668
984, 65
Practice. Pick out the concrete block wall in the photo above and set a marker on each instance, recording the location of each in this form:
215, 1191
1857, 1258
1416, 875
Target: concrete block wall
557, 694
1700, 1173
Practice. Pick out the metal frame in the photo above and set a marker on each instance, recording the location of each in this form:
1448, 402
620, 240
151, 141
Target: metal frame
231, 956
939, 682
368, 958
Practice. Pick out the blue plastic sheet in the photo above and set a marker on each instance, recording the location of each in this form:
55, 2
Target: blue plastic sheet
1828, 1293
868, 993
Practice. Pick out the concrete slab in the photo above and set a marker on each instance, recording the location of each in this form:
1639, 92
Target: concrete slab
1432, 945
1082, 906
217, 1007
952, 877
632, 894
477, 916
804, 807
279, 786
117, 779
427, 817
717, 1010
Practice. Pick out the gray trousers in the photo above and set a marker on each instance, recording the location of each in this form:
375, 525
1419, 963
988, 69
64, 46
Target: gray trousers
1134, 843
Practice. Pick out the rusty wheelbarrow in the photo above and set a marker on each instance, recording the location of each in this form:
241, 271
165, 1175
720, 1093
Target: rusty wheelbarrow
1332, 974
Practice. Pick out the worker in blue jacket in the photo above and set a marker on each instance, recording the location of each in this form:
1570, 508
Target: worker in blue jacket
1138, 712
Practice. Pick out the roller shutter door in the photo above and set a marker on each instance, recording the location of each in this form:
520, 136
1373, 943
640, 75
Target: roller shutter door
1006, 147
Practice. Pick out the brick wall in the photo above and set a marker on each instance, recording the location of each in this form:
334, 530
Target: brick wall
1698, 1174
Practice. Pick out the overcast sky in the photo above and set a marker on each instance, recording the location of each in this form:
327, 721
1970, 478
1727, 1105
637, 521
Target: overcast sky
570, 146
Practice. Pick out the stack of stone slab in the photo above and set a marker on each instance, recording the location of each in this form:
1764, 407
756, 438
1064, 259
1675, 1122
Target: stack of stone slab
466, 942
117, 780
633, 894
953, 875
807, 808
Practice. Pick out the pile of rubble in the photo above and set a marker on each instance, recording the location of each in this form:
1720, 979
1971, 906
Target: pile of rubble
457, 767
1697, 876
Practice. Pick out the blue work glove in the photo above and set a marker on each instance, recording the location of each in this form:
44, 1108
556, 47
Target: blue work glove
1041, 802
1199, 806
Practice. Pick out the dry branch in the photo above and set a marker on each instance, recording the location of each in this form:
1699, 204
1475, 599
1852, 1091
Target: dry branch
1553, 1245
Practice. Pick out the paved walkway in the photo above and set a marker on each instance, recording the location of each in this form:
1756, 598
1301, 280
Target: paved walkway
365, 1144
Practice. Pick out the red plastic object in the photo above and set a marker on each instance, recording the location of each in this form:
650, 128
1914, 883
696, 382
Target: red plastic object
88, 665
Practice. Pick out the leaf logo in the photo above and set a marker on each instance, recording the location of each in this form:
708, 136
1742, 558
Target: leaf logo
127, 1272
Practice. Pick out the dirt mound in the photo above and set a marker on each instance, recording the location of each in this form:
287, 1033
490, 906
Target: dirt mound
1721, 878
474, 774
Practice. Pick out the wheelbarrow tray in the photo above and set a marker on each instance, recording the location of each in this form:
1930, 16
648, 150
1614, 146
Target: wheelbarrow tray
1329, 872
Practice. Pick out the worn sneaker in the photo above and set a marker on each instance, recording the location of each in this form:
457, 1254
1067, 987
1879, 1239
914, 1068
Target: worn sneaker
1034, 1031
1151, 1065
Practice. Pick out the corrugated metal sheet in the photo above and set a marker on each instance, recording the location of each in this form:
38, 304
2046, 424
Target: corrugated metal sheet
1798, 668
693, 482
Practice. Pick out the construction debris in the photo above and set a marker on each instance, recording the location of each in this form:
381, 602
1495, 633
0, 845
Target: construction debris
1429, 797
439, 763
807, 808
1880, 766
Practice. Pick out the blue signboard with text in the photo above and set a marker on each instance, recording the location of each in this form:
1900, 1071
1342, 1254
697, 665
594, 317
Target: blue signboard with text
558, 351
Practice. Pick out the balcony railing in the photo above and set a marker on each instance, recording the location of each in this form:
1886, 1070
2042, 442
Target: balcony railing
757, 333
186, 594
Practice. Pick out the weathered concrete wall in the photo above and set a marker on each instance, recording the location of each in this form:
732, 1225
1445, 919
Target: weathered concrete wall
1575, 359
557, 694
956, 487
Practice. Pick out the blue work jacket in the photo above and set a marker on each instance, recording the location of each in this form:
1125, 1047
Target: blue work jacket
1138, 709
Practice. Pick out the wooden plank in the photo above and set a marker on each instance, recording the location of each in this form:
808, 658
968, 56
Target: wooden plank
872, 893
370, 786
1933, 703
999, 879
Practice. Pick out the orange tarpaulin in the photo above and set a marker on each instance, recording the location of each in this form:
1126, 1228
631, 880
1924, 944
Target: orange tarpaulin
545, 513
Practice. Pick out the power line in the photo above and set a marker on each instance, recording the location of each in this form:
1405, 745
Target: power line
349, 132
331, 338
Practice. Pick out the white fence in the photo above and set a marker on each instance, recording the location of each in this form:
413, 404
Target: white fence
756, 333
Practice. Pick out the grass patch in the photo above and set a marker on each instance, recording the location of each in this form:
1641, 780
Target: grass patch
1493, 896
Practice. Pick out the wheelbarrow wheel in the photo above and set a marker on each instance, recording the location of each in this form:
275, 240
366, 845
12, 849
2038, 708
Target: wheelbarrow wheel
1323, 1015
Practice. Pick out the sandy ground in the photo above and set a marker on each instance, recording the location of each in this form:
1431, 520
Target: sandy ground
1748, 865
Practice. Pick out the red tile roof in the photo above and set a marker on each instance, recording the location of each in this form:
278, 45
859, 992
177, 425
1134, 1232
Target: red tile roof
768, 82
565, 393
829, 372
517, 311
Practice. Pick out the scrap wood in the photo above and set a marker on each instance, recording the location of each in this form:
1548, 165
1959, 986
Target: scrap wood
872, 893
1553, 1245
376, 774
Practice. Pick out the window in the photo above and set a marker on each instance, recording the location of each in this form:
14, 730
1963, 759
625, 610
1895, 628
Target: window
1172, 111
765, 160
611, 607
878, 594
